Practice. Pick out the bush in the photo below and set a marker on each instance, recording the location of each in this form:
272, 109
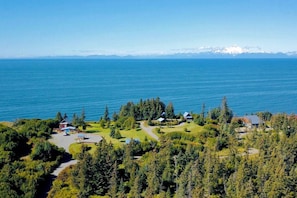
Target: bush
45, 151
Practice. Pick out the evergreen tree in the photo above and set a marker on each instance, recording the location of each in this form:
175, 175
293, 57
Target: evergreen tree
169, 111
82, 118
59, 117
113, 188
106, 114
225, 113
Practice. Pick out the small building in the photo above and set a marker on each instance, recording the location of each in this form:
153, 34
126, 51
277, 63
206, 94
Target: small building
63, 124
161, 119
187, 116
251, 121
81, 136
128, 140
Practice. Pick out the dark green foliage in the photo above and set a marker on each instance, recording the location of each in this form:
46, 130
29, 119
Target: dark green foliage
106, 114
126, 123
115, 133
36, 128
92, 174
169, 111
115, 116
45, 151
12, 145
59, 117
226, 114
23, 178
79, 121
199, 120
214, 114
144, 110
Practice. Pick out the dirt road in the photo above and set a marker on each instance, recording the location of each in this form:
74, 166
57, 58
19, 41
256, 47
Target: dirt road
149, 130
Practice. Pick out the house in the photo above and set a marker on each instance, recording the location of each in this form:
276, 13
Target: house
251, 121
188, 116
63, 124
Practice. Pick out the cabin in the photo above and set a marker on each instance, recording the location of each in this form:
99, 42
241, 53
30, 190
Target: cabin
187, 116
251, 121
63, 124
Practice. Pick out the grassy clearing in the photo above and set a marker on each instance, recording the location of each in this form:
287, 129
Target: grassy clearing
191, 127
104, 132
75, 148
226, 152
8, 124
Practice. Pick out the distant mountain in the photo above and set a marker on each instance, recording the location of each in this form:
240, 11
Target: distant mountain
227, 55
205, 55
184, 55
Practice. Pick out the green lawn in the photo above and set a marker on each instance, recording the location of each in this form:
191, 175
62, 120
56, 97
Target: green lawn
191, 127
75, 148
104, 132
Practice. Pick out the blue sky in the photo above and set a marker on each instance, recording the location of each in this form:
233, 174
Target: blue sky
71, 27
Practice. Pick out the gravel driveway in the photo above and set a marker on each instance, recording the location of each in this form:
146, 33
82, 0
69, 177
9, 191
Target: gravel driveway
64, 141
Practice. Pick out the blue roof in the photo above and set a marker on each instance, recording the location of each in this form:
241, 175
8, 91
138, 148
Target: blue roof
128, 140
254, 119
80, 135
68, 128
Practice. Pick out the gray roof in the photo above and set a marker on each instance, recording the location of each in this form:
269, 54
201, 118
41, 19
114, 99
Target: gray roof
254, 119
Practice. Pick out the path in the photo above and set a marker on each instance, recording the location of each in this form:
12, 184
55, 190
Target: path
149, 130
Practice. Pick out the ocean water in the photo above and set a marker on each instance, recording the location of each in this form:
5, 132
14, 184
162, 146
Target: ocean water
41, 88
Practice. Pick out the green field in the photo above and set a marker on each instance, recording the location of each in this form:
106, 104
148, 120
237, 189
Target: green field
191, 128
104, 132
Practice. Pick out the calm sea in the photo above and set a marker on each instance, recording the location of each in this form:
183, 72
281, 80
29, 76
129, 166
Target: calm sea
41, 88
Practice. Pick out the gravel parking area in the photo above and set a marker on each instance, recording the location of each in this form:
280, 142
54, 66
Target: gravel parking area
64, 141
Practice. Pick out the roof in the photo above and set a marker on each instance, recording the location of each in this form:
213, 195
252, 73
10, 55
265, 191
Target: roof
80, 135
128, 140
161, 119
187, 115
254, 119
68, 128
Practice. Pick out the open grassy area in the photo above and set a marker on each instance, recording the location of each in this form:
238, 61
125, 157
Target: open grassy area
104, 132
9, 124
191, 127
75, 148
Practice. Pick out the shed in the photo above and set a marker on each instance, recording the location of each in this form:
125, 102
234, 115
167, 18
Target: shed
81, 136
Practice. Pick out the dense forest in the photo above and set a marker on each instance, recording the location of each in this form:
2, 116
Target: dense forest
214, 162
26, 157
